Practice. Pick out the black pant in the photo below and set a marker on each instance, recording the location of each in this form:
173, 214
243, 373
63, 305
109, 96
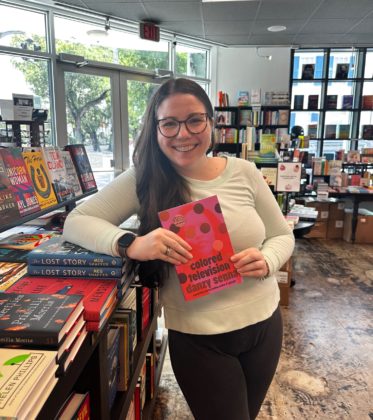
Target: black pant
226, 376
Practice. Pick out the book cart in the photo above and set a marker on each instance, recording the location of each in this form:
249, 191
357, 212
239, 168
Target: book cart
88, 371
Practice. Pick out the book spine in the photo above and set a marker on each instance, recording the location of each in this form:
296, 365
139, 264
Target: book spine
74, 262
65, 271
27, 338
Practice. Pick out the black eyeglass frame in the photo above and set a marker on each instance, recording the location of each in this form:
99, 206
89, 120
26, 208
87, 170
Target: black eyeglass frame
205, 114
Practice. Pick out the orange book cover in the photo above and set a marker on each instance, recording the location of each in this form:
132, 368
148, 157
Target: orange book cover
201, 224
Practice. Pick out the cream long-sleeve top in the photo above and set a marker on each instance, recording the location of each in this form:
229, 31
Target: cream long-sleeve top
253, 219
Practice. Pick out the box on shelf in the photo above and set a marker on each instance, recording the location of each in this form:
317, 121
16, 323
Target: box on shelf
284, 295
335, 229
336, 210
318, 231
321, 206
364, 227
283, 277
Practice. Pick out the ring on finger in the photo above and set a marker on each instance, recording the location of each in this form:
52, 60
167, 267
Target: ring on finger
168, 251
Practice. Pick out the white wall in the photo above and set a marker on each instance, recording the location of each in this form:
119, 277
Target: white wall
235, 69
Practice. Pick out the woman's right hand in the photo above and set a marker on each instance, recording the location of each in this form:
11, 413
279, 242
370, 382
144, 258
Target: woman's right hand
160, 244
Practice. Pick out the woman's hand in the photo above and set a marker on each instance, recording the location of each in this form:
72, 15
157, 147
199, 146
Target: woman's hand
160, 244
250, 263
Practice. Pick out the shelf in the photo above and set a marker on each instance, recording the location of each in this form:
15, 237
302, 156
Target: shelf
123, 399
149, 406
66, 383
67, 203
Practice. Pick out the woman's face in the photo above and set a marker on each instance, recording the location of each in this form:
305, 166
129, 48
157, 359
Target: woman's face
185, 150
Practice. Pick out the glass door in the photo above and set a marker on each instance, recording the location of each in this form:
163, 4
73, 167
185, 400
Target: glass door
88, 112
138, 93
103, 109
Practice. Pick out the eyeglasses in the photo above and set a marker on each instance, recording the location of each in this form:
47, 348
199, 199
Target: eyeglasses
195, 124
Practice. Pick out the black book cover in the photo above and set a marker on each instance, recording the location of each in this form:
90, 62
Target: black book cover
82, 166
37, 319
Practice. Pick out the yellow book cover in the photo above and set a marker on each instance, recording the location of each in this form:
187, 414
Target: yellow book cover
23, 377
39, 175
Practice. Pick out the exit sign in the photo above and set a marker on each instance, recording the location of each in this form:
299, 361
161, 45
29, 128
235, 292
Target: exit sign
149, 31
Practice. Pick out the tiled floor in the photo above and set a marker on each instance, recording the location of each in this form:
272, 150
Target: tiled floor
326, 366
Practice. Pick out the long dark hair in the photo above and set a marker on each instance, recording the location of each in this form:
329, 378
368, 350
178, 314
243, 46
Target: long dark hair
158, 185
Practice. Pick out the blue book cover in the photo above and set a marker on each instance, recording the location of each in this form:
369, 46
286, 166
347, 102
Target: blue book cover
69, 271
58, 252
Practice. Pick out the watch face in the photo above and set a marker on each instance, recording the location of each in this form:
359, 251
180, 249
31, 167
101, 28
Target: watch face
126, 240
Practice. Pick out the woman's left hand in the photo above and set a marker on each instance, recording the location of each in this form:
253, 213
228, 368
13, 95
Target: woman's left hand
250, 263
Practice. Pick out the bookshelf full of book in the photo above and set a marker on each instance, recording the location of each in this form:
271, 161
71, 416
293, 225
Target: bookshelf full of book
331, 93
236, 126
76, 331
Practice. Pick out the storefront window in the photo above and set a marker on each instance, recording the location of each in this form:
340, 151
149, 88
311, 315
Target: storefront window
110, 45
191, 61
22, 29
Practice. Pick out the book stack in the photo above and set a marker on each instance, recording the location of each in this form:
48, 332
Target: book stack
15, 247
64, 259
99, 296
43, 321
27, 379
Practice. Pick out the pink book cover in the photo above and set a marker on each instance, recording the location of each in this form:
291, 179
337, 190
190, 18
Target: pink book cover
201, 224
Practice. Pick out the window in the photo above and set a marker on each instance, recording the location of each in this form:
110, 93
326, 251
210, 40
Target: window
191, 61
95, 43
22, 29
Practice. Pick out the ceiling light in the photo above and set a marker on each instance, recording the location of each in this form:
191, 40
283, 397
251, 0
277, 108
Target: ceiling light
276, 28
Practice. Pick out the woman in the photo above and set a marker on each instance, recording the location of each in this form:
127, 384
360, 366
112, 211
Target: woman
224, 347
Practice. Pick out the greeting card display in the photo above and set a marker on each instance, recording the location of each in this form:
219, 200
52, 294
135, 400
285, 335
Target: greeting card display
201, 224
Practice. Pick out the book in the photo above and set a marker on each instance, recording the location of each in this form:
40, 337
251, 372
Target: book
9, 211
367, 132
201, 224
76, 407
72, 176
143, 310
112, 345
98, 295
312, 131
367, 102
308, 71
342, 70
71, 271
26, 381
10, 272
347, 101
26, 241
313, 101
270, 175
353, 156
57, 173
243, 98
298, 101
37, 319
15, 247
331, 101
256, 96
63, 253
283, 117
268, 146
39, 176
19, 180
344, 131
330, 131
83, 167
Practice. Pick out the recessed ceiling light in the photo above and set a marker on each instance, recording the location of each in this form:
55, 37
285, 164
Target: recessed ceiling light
276, 28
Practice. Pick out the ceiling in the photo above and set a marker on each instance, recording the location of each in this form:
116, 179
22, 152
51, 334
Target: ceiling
244, 23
